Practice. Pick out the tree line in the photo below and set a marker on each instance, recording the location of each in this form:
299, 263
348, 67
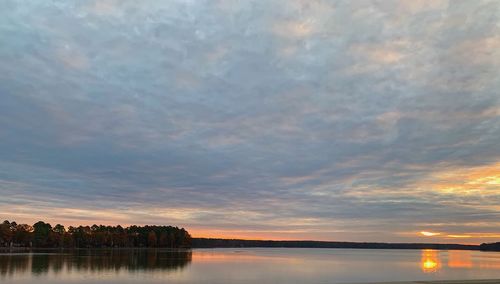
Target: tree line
233, 243
490, 246
43, 235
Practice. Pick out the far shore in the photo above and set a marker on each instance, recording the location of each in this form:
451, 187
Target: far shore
277, 246
208, 243
239, 243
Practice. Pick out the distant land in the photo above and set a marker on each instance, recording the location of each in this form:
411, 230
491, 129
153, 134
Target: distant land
43, 235
236, 243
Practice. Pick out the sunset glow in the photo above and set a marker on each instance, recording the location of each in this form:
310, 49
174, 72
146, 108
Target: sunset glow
429, 234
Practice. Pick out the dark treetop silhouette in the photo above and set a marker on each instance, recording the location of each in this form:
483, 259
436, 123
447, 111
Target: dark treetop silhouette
42, 234
218, 243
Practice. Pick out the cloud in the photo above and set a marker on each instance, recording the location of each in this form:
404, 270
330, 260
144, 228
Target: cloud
280, 119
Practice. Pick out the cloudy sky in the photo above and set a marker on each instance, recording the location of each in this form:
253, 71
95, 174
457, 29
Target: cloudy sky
280, 119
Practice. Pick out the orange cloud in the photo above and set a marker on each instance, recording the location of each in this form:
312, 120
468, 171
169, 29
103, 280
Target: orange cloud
481, 180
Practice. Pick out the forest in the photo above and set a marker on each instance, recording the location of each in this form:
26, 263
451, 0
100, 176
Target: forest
490, 246
44, 235
233, 243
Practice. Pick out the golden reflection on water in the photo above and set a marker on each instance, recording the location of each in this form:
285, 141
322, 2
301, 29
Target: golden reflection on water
221, 257
459, 259
103, 262
430, 261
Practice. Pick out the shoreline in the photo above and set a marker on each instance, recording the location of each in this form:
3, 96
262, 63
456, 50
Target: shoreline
240, 243
29, 249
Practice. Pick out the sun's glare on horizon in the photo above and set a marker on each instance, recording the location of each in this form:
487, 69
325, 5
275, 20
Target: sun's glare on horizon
429, 234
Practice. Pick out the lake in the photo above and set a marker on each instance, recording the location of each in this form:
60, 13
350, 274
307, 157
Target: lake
246, 265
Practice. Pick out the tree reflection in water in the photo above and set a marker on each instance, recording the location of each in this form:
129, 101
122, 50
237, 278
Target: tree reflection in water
104, 260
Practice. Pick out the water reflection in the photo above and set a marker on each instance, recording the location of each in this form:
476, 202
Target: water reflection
245, 266
459, 259
93, 261
430, 261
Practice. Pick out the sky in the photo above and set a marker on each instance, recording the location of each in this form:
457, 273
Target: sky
277, 119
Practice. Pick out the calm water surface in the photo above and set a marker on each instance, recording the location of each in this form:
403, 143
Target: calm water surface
261, 265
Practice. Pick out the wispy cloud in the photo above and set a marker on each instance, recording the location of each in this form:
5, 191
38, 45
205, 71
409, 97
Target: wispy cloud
277, 119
